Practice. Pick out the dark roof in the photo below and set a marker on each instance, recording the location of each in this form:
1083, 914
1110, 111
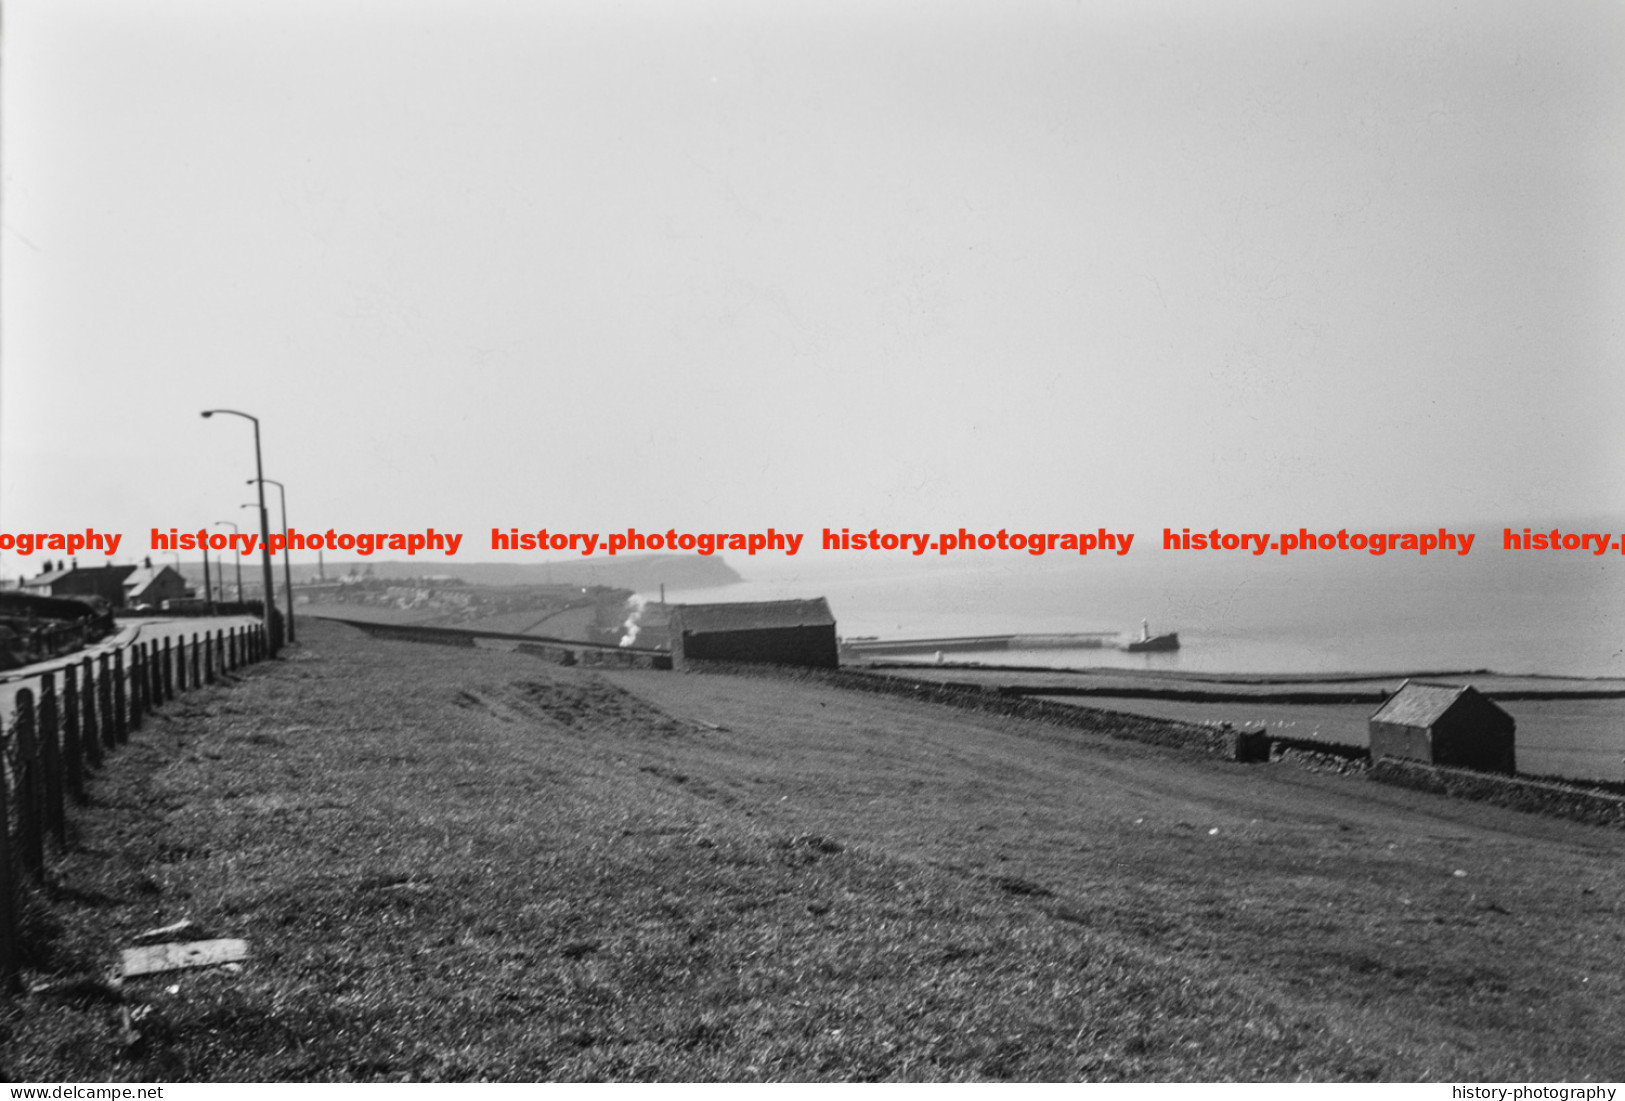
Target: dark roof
54, 576
705, 618
1419, 704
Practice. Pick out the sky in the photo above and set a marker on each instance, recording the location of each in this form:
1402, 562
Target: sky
724, 266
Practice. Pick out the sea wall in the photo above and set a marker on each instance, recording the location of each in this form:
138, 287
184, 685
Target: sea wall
1524, 793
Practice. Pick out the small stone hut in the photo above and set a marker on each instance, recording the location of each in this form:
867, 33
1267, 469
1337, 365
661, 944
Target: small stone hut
1444, 724
776, 632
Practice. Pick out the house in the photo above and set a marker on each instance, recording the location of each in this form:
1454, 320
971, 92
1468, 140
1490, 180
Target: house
150, 586
1444, 724
776, 632
106, 582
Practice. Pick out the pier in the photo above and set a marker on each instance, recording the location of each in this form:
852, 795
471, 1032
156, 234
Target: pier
1084, 640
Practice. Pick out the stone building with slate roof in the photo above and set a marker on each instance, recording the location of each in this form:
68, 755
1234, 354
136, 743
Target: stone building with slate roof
777, 632
1444, 724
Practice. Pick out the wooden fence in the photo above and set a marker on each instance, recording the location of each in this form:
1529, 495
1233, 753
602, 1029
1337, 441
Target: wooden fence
64, 729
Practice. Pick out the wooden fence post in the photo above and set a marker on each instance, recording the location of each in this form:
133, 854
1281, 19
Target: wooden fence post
121, 707
169, 671
73, 742
30, 799
220, 656
147, 702
88, 702
8, 892
180, 663
155, 676
56, 819
104, 696
137, 673
231, 646
208, 659
196, 677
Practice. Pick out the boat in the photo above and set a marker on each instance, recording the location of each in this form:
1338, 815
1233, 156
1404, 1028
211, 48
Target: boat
1149, 643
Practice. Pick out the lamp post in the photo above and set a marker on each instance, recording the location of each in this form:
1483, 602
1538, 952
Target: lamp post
251, 504
208, 590
232, 524
176, 555
268, 604
287, 551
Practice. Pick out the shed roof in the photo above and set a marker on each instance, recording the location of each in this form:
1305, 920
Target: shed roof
705, 618
1420, 704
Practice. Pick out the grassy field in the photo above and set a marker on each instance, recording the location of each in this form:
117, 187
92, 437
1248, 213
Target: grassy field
1579, 739
456, 864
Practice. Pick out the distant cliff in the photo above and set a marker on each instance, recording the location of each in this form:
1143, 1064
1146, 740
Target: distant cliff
639, 572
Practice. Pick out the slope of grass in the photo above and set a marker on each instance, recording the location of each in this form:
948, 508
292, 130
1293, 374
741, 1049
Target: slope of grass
468, 865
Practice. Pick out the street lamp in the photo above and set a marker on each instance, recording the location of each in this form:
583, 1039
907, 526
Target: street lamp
268, 603
176, 555
238, 530
208, 590
287, 551
289, 588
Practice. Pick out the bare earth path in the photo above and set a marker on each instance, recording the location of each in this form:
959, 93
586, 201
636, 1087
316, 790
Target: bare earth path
466, 864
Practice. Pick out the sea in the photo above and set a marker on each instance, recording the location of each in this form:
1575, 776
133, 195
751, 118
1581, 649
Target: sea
1558, 614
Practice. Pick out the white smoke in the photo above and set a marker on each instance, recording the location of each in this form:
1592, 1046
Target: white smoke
631, 626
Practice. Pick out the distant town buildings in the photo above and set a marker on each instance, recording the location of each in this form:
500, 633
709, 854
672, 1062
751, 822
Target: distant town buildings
121, 586
65, 579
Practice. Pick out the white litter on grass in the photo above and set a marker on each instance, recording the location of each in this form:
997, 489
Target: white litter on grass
1213, 831
168, 932
157, 958
1459, 874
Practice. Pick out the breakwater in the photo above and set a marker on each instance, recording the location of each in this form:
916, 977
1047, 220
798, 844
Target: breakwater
1086, 640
